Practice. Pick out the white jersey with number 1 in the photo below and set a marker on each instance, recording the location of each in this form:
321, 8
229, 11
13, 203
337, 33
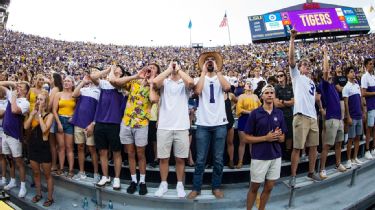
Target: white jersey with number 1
304, 93
211, 107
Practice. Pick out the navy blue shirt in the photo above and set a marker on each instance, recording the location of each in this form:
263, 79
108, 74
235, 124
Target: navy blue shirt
260, 123
332, 100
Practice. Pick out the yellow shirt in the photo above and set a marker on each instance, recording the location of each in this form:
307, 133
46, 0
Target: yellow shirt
138, 107
154, 112
66, 106
32, 100
247, 103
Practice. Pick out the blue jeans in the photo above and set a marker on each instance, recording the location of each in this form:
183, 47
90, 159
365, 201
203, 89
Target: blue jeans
205, 137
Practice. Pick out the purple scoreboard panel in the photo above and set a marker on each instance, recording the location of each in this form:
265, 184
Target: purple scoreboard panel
278, 24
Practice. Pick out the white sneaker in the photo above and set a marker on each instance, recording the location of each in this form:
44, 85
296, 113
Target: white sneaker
341, 168
22, 192
180, 191
163, 188
373, 153
357, 162
368, 156
80, 176
348, 164
323, 174
10, 185
3, 181
104, 181
96, 178
116, 184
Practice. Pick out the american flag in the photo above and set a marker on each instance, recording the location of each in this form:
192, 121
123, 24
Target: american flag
224, 22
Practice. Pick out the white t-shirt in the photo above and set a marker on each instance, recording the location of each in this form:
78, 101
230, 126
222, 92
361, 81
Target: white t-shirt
254, 82
304, 93
211, 107
232, 80
174, 111
22, 103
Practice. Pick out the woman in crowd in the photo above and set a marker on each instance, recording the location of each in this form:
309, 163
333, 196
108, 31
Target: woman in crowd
230, 102
34, 91
40, 121
56, 86
63, 109
247, 102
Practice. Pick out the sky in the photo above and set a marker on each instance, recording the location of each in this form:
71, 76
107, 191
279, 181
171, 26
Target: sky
148, 22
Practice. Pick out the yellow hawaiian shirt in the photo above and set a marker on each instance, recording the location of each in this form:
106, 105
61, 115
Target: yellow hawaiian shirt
138, 107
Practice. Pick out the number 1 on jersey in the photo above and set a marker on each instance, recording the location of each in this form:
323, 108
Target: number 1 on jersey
212, 98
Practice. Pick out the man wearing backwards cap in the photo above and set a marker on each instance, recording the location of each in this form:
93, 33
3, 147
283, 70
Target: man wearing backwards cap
265, 130
211, 121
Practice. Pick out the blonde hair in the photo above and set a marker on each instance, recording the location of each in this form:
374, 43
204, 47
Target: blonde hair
46, 96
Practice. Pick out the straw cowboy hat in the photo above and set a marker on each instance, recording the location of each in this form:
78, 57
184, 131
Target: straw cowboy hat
218, 58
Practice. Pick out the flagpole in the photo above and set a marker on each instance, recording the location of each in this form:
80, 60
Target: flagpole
190, 36
230, 42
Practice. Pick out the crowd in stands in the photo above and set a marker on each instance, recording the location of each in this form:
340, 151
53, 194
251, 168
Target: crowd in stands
57, 95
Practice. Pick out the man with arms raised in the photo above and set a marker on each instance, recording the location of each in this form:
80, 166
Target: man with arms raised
305, 124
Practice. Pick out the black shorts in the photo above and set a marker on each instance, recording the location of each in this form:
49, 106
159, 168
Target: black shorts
152, 129
106, 136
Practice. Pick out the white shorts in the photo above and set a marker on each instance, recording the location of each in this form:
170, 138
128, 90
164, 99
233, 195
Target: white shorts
179, 140
1, 140
11, 146
261, 170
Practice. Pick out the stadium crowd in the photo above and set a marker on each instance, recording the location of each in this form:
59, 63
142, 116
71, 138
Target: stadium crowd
55, 94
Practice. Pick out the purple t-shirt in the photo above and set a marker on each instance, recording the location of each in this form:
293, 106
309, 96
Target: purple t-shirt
260, 123
110, 105
352, 91
84, 112
332, 100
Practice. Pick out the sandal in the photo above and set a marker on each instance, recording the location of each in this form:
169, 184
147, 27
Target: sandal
48, 202
59, 172
36, 198
70, 174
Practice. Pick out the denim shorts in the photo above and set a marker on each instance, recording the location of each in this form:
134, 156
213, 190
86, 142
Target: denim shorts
67, 126
356, 129
371, 118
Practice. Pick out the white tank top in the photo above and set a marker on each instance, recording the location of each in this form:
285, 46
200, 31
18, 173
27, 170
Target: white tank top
211, 107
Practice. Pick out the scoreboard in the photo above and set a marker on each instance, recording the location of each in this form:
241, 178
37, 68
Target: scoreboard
277, 24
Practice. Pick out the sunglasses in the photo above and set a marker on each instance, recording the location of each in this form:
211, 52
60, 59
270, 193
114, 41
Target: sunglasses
280, 75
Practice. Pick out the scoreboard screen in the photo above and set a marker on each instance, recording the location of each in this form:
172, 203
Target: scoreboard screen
278, 24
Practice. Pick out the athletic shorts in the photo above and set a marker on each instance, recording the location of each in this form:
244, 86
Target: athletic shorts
371, 118
305, 131
80, 137
11, 146
179, 140
356, 129
152, 129
137, 136
334, 131
261, 170
106, 136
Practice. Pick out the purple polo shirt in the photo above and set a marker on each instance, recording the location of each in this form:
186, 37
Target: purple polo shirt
332, 100
110, 105
260, 123
84, 112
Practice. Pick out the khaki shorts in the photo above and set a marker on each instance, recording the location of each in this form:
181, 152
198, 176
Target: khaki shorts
80, 137
11, 146
334, 131
305, 132
261, 170
179, 140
